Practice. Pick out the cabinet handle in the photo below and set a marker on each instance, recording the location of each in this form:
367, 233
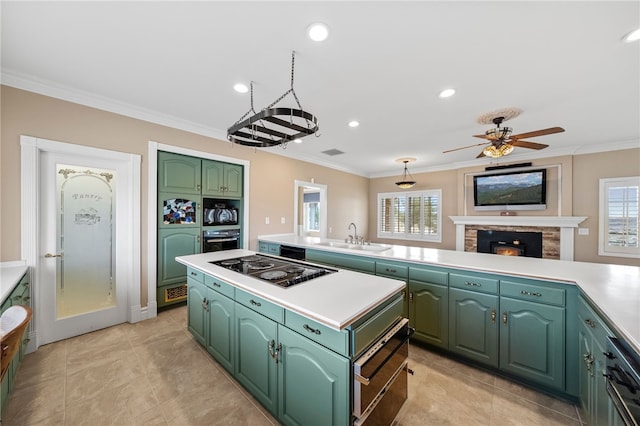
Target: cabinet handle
493, 316
390, 270
590, 323
198, 187
529, 293
215, 284
469, 283
253, 302
411, 297
311, 330
205, 303
52, 255
193, 274
504, 317
273, 351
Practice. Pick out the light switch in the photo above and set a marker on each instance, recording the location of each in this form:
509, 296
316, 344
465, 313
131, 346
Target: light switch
583, 231
282, 220
266, 220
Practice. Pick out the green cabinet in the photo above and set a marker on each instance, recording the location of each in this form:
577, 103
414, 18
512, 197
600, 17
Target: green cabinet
172, 243
221, 179
398, 271
593, 334
313, 382
256, 352
20, 295
341, 260
179, 173
473, 328
197, 317
269, 248
532, 341
429, 306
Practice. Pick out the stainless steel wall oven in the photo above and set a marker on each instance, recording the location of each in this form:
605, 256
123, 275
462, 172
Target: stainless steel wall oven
218, 240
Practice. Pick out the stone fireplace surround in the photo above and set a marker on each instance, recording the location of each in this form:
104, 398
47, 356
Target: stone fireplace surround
557, 231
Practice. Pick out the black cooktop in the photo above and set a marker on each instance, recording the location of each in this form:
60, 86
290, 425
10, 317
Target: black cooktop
283, 272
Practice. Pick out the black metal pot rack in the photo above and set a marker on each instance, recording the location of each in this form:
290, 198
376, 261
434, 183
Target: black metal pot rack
273, 126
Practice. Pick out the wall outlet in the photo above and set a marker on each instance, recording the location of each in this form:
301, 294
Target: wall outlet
330, 230
266, 220
282, 220
583, 231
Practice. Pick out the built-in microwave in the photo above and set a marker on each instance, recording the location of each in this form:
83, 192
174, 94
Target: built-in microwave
219, 212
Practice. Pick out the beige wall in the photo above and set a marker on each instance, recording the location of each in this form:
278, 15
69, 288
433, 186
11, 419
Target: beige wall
271, 179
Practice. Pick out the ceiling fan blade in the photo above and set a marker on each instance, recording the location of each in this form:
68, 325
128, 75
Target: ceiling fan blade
481, 136
464, 147
481, 154
535, 133
527, 144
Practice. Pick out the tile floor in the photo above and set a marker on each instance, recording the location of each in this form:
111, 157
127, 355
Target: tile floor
154, 373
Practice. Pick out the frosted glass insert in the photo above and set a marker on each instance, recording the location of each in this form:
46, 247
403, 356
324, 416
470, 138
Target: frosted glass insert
85, 272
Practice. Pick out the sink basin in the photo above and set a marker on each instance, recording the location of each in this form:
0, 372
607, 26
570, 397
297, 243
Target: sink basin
372, 247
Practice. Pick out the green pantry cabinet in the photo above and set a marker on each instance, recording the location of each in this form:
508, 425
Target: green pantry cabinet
299, 380
516, 325
20, 295
183, 182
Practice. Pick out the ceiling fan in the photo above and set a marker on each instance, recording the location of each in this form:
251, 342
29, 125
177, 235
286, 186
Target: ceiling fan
503, 142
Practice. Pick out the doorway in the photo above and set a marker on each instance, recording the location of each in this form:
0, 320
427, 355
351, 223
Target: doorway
85, 257
310, 213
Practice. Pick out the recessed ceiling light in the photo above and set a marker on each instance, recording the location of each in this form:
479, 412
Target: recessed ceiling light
354, 123
318, 32
240, 88
447, 93
297, 140
632, 36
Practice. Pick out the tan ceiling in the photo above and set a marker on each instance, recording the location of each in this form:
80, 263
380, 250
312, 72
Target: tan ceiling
174, 63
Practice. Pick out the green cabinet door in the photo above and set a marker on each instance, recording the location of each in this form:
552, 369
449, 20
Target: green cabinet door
473, 327
532, 341
197, 305
172, 243
255, 368
429, 313
221, 179
220, 340
313, 383
179, 173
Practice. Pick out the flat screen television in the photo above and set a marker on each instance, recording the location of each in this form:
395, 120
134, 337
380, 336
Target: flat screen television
511, 190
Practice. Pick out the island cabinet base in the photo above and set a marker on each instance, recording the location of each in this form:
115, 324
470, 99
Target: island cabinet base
301, 371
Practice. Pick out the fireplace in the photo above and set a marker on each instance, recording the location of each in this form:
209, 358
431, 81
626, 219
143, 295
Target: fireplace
510, 243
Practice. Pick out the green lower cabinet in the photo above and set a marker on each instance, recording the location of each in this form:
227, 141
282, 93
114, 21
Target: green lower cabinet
313, 382
220, 342
532, 341
173, 243
255, 367
429, 313
341, 260
473, 328
197, 316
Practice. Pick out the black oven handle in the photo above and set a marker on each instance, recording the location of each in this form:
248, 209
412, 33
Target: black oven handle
618, 403
366, 380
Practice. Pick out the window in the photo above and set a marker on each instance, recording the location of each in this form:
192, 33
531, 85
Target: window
311, 213
618, 233
410, 215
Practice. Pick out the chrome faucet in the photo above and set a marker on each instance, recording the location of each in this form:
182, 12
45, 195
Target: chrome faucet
355, 233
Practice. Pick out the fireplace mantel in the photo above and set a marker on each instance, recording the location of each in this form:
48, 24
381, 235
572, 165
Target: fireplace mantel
565, 223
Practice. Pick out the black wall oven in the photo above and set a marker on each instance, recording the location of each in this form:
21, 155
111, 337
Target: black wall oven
218, 240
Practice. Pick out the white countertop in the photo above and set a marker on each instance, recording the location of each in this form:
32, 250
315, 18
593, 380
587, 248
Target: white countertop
336, 300
10, 275
613, 289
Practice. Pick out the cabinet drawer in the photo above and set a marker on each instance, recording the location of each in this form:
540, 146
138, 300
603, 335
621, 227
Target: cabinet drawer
337, 341
263, 247
195, 274
587, 316
220, 286
258, 304
534, 292
366, 333
274, 249
361, 264
392, 270
428, 276
474, 283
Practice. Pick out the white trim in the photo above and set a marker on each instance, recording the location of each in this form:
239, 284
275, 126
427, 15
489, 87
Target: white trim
31, 148
565, 223
603, 248
152, 222
323, 206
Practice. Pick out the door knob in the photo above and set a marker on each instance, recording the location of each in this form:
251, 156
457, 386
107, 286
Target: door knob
53, 255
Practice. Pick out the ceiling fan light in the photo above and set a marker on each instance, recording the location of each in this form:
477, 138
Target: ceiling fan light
406, 184
498, 133
498, 151
632, 36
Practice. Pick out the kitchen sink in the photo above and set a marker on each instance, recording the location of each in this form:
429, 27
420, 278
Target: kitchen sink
366, 247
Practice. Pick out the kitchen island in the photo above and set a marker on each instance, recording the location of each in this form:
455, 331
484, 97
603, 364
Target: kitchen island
294, 348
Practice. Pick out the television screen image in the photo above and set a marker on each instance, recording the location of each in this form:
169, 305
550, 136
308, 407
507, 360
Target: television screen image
516, 190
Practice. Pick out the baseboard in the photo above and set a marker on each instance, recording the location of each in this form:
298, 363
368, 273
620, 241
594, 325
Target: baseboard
139, 313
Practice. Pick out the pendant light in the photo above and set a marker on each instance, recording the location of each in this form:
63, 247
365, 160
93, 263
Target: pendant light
406, 180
